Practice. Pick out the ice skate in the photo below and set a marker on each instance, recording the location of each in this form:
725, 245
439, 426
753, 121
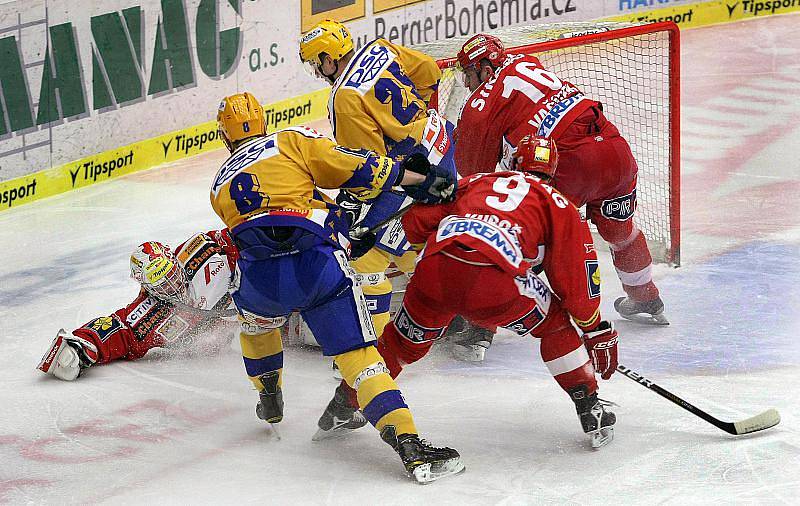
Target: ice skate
270, 404
469, 341
339, 418
596, 420
423, 462
650, 312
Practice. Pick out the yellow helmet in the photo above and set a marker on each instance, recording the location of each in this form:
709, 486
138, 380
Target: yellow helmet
240, 117
329, 37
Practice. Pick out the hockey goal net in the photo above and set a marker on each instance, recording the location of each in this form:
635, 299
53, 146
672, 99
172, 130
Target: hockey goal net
634, 71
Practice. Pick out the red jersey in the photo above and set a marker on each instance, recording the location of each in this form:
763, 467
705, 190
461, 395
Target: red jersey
209, 260
522, 98
514, 221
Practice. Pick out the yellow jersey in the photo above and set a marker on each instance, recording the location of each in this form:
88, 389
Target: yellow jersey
380, 101
273, 180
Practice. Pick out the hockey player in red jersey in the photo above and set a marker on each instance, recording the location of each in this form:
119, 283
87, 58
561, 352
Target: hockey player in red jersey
475, 263
181, 303
513, 96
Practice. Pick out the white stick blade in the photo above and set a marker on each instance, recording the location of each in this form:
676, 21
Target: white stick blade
765, 420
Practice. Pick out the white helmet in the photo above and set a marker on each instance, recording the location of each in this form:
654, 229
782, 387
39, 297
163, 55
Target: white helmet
156, 268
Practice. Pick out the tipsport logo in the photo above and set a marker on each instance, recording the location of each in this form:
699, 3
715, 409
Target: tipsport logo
760, 7
93, 169
183, 144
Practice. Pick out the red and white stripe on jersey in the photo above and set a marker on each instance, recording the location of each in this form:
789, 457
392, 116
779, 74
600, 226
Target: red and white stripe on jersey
435, 138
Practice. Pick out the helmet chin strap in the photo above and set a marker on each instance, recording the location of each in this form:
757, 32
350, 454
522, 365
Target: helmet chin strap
330, 77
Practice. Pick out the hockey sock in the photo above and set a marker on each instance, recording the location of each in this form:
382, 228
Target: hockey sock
262, 352
378, 396
633, 263
565, 355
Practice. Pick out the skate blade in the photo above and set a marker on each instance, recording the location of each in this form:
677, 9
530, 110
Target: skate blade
647, 319
321, 435
275, 431
601, 437
470, 353
432, 471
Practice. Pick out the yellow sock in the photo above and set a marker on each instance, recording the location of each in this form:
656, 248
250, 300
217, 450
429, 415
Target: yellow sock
381, 401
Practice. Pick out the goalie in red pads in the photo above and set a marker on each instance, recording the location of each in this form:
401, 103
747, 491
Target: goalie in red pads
474, 263
182, 299
514, 96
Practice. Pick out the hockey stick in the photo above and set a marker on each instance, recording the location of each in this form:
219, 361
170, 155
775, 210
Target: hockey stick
360, 231
765, 420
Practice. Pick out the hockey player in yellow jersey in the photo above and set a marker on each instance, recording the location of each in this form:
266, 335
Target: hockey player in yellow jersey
292, 244
380, 100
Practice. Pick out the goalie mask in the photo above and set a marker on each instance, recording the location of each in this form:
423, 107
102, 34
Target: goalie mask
155, 267
536, 155
240, 117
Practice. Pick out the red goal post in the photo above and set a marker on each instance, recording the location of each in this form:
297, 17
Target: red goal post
634, 70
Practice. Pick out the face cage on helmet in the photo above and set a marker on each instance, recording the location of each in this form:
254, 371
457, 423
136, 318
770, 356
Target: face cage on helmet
314, 69
170, 288
222, 135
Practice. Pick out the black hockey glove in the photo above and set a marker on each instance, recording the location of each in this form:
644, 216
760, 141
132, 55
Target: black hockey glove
439, 184
350, 205
361, 241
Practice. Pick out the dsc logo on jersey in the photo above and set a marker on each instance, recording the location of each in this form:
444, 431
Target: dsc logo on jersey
369, 66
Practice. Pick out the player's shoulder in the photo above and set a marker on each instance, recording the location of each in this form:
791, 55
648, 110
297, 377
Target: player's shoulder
365, 68
510, 64
299, 133
252, 152
488, 181
488, 100
407, 54
196, 251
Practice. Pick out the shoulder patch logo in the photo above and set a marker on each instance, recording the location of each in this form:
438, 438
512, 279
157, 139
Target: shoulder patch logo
593, 278
104, 326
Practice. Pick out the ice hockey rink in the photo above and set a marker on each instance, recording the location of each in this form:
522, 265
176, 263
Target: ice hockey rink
172, 429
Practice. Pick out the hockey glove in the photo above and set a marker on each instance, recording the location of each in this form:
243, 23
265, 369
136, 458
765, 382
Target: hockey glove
361, 241
350, 205
67, 356
439, 184
601, 343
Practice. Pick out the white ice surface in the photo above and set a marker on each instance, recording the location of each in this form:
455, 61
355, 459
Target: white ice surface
180, 430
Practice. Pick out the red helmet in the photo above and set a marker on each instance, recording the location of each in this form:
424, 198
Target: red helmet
536, 155
481, 46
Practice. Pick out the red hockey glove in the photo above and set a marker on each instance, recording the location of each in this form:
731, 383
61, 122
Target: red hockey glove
601, 343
